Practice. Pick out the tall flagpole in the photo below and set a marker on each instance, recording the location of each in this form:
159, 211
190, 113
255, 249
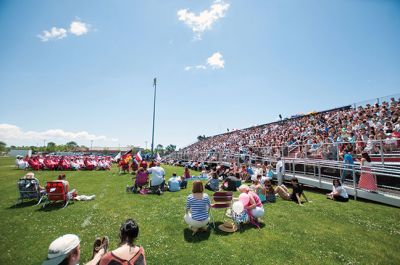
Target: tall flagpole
154, 116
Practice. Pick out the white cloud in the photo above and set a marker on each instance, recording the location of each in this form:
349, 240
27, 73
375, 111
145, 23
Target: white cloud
215, 61
54, 33
200, 66
13, 132
79, 28
205, 19
76, 28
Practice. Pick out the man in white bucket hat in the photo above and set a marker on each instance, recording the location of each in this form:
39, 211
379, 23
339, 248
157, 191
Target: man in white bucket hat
66, 250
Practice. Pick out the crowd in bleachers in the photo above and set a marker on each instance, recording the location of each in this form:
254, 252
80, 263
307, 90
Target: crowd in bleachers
73, 162
370, 128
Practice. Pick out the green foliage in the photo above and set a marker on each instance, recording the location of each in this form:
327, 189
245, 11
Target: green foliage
322, 232
170, 148
51, 147
3, 146
201, 138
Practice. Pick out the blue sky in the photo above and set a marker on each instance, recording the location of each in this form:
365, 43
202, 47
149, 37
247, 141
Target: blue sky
219, 64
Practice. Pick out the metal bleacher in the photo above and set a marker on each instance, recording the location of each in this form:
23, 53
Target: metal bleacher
318, 173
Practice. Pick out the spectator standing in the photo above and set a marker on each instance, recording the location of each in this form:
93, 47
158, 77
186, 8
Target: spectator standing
280, 170
348, 164
367, 179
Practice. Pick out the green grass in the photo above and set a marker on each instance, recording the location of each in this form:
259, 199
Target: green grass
322, 232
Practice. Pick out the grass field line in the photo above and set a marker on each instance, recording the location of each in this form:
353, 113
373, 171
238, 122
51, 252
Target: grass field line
86, 222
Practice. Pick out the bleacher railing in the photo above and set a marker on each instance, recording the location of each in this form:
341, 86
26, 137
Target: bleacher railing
388, 177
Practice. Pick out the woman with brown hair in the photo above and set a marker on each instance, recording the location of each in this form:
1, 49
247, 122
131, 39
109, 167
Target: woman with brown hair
197, 205
127, 252
367, 179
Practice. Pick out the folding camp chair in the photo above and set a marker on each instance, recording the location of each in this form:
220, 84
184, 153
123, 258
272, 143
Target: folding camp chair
29, 189
222, 200
57, 190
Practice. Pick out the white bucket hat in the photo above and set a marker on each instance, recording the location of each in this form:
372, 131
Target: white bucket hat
60, 248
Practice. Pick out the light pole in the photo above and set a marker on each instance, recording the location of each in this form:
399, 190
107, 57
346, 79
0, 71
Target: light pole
154, 116
91, 145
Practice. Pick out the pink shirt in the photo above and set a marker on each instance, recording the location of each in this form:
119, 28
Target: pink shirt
142, 178
256, 198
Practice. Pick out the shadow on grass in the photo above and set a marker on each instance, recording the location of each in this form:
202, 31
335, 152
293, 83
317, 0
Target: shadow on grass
198, 237
22, 204
241, 229
54, 206
248, 226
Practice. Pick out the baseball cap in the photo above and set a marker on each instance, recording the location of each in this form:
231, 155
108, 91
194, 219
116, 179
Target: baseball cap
60, 248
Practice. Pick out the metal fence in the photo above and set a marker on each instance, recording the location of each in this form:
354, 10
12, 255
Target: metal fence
388, 176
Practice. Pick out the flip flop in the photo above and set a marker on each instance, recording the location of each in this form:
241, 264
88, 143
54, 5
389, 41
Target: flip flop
96, 246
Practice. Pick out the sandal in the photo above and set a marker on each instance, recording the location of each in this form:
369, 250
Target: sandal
96, 246
104, 243
99, 244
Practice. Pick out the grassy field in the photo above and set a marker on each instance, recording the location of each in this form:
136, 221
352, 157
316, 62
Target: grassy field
321, 232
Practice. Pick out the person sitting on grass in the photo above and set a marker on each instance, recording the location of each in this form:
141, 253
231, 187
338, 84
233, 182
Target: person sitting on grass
174, 183
338, 192
213, 183
127, 252
142, 179
66, 250
259, 189
157, 181
271, 192
295, 195
183, 182
232, 182
197, 206
254, 207
186, 174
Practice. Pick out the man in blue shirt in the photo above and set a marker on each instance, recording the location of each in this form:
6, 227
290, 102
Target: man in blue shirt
174, 183
348, 164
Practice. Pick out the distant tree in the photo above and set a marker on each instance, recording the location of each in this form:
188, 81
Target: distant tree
33, 148
159, 147
170, 148
71, 146
51, 147
3, 146
201, 138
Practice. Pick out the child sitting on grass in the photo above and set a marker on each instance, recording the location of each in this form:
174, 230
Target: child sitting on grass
213, 183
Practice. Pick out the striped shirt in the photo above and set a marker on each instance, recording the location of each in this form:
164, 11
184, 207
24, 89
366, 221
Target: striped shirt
199, 208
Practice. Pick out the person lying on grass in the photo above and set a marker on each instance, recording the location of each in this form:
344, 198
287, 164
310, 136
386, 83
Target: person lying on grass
295, 195
338, 193
197, 206
127, 252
